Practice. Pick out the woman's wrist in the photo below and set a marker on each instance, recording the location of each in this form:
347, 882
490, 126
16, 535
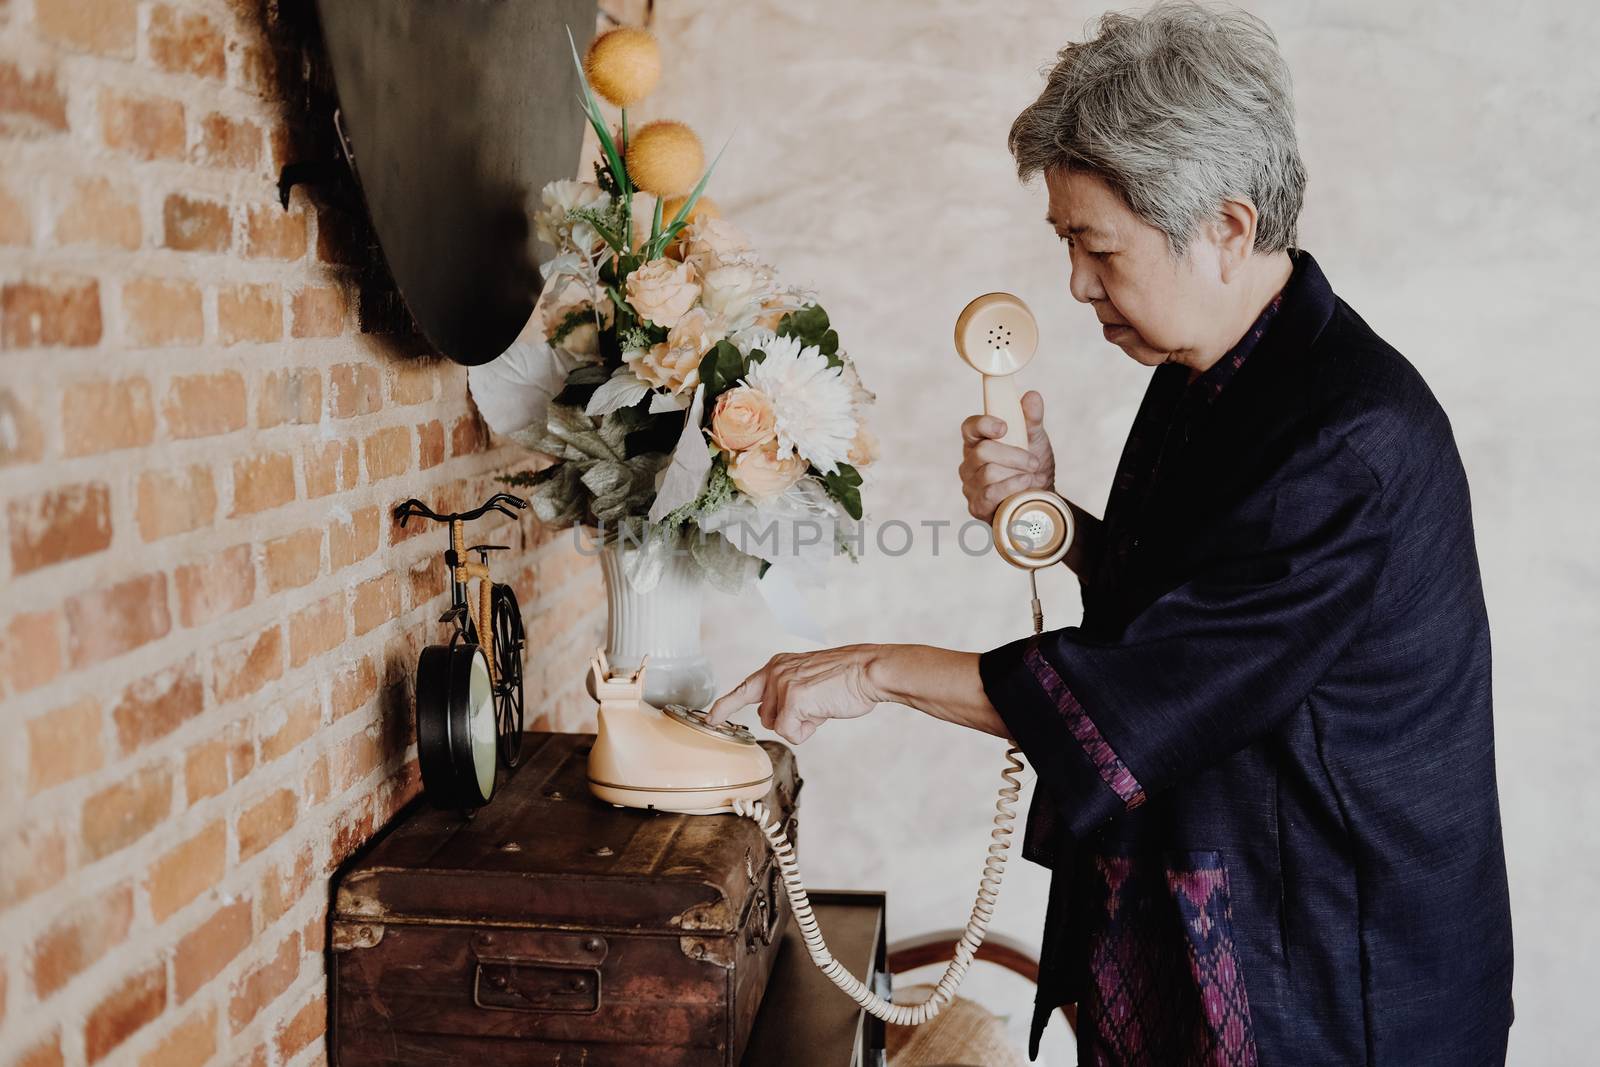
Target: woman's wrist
940, 682
1084, 554
881, 672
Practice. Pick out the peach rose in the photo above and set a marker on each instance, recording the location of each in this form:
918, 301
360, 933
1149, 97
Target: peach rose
761, 474
733, 292
708, 243
675, 364
743, 418
664, 367
663, 291
695, 333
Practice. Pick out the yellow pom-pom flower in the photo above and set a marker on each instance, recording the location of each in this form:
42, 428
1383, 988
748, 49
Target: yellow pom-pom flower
623, 65
665, 158
704, 208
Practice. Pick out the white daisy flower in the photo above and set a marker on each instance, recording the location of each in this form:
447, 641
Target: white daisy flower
812, 401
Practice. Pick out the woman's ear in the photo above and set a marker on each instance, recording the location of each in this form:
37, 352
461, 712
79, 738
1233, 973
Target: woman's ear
1235, 236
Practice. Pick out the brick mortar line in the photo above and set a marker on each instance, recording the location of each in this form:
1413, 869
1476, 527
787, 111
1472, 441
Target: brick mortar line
134, 954
68, 797
138, 64
158, 266
60, 581
244, 877
319, 671
81, 152
219, 450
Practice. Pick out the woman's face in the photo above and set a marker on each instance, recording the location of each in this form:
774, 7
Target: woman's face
1153, 305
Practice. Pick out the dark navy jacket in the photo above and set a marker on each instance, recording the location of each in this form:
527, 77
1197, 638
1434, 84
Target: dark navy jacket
1266, 758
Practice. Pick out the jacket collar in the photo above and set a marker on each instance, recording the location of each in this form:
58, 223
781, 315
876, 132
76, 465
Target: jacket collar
1308, 304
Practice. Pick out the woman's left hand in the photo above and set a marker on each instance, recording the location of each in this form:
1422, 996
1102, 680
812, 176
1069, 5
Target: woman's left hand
799, 691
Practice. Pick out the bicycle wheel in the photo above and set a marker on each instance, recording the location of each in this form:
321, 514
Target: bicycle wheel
506, 619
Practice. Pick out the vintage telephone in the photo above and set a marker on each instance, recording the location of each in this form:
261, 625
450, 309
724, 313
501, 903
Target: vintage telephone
668, 758
671, 759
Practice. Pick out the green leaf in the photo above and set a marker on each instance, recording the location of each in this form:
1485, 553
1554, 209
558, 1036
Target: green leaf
569, 322
671, 233
844, 485
810, 327
680, 219
844, 474
850, 499
720, 368
627, 197
596, 119
618, 299
655, 225
607, 234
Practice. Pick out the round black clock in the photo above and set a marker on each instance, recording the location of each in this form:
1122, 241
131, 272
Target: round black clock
456, 724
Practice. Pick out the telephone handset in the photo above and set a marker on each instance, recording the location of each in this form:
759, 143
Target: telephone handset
996, 334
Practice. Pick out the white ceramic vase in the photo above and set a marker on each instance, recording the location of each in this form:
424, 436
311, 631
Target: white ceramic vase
663, 624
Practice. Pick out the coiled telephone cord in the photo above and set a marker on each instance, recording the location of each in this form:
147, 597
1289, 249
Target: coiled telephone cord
994, 870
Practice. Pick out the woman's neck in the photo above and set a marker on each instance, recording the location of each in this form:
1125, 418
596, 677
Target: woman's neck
1262, 279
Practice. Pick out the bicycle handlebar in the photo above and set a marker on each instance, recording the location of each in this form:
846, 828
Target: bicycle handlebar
497, 502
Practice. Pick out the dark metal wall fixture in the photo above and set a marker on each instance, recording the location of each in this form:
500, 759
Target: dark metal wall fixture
456, 114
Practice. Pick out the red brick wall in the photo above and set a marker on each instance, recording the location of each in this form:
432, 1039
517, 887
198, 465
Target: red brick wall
209, 620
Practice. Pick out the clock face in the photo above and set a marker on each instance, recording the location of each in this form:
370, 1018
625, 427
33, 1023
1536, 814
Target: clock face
481, 722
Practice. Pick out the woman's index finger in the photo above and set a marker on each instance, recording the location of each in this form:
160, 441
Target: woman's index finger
742, 695
977, 428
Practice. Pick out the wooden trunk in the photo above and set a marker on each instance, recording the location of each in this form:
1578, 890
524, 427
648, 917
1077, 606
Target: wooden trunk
552, 929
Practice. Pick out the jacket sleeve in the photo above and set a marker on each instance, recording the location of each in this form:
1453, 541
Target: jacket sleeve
1216, 662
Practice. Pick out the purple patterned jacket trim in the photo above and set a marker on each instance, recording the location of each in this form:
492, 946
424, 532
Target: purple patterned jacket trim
1112, 770
1167, 988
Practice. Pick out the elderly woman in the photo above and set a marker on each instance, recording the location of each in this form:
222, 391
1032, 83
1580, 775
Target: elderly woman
1266, 757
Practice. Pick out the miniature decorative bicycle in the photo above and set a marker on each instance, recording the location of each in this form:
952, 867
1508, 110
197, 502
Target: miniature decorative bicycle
469, 691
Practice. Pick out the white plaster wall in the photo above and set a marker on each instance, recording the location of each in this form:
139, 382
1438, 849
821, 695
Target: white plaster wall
1453, 153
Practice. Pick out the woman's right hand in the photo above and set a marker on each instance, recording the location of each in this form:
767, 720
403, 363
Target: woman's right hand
992, 471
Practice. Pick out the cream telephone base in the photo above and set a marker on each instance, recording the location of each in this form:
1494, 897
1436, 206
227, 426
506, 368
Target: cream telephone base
669, 758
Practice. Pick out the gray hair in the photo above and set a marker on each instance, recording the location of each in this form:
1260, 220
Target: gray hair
1177, 109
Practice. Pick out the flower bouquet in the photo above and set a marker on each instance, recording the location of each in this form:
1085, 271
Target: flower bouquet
690, 400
